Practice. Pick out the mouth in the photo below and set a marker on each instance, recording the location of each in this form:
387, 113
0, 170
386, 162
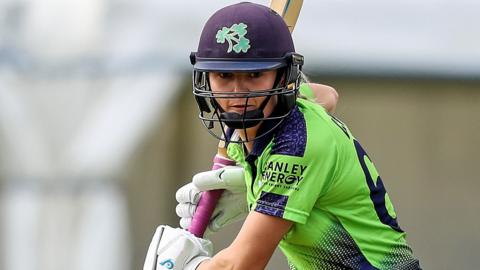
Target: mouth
241, 107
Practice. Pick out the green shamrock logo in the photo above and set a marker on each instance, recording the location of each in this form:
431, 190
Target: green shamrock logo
236, 33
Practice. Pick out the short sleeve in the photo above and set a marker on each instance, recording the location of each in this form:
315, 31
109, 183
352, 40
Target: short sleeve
297, 171
291, 186
306, 91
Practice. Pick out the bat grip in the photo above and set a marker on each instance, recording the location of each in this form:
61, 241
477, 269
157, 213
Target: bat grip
208, 201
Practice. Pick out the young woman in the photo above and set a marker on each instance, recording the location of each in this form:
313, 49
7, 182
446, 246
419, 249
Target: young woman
310, 186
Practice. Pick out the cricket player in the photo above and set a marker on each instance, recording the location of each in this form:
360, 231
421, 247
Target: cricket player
303, 181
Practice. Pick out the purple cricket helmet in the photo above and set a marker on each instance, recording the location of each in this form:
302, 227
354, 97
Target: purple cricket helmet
245, 37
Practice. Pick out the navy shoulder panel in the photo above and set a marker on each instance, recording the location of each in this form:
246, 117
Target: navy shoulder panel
291, 136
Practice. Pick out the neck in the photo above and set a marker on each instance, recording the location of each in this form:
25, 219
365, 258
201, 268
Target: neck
250, 134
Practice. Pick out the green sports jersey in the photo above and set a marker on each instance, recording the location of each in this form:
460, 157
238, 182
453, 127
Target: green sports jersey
312, 171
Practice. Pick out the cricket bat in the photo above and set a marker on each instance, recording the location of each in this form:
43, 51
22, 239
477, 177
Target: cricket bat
289, 10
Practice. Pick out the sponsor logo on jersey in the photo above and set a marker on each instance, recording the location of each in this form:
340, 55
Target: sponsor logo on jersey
283, 174
272, 204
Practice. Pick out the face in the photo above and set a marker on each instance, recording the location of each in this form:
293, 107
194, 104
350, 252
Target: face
243, 82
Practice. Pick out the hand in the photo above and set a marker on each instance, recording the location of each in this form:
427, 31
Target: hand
231, 207
174, 248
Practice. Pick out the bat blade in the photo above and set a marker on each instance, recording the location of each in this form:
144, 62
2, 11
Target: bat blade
289, 10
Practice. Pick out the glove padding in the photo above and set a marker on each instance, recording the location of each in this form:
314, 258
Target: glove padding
174, 248
232, 205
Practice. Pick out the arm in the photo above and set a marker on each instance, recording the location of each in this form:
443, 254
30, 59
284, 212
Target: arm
253, 241
325, 95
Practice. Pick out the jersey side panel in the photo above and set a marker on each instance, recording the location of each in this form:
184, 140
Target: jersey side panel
349, 200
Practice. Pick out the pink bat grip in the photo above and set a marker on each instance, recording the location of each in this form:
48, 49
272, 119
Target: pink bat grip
207, 201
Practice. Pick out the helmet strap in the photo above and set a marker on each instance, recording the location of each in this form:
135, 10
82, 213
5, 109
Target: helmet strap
246, 120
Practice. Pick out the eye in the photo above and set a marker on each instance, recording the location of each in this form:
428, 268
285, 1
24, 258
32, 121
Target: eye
225, 75
255, 74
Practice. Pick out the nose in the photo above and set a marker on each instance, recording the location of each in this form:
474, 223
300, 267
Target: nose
238, 84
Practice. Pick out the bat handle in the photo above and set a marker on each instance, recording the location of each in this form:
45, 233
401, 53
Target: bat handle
208, 201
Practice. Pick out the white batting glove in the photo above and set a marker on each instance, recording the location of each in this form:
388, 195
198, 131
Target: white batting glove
174, 248
231, 207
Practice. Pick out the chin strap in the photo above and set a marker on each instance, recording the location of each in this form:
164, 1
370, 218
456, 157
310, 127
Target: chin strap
246, 120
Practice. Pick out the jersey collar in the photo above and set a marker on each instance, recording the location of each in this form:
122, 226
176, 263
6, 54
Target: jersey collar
262, 142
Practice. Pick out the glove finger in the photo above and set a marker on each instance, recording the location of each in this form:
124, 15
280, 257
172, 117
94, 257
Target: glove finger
234, 178
185, 210
185, 222
188, 194
208, 180
229, 177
